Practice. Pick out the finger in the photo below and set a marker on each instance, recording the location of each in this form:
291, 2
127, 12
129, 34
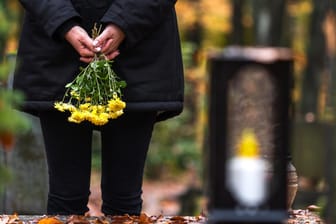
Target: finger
97, 49
99, 42
87, 43
83, 38
97, 45
86, 59
102, 37
112, 55
85, 52
109, 46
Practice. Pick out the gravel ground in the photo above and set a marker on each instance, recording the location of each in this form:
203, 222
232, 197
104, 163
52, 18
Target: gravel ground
304, 216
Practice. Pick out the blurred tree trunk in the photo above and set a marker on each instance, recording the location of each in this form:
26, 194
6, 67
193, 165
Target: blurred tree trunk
3, 29
316, 58
194, 32
236, 37
268, 19
329, 29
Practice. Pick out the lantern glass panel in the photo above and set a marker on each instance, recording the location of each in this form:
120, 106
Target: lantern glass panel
250, 136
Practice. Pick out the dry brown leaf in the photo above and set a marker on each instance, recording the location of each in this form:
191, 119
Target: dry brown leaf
49, 220
8, 219
7, 141
101, 220
77, 219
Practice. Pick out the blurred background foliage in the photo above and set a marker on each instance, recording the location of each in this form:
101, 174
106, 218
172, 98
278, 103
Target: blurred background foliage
11, 121
305, 26
308, 27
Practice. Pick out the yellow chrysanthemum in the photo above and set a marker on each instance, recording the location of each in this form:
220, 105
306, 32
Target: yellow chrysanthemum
104, 116
78, 116
74, 94
69, 107
59, 106
116, 104
98, 120
113, 115
100, 108
119, 112
116, 114
84, 106
74, 120
95, 94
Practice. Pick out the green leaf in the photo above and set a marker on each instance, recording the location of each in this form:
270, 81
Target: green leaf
122, 84
68, 85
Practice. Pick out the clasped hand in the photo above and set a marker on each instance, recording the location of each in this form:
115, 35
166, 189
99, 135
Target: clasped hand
107, 42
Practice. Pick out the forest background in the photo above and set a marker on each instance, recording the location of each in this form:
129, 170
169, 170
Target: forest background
307, 27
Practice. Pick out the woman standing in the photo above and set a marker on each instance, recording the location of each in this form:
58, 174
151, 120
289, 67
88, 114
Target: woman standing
143, 40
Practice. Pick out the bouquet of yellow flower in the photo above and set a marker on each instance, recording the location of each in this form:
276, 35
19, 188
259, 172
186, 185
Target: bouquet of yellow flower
95, 94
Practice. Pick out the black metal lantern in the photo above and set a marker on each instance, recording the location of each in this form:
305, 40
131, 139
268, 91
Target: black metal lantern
248, 140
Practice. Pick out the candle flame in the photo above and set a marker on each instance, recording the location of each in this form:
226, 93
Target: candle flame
248, 145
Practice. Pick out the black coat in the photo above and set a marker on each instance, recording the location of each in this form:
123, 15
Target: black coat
149, 61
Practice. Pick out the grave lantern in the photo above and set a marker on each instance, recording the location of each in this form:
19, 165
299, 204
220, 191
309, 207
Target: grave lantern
248, 138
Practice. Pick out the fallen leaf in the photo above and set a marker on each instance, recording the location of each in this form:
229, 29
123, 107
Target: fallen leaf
49, 220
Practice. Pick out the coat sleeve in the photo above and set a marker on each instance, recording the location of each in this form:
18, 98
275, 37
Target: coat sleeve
138, 17
51, 14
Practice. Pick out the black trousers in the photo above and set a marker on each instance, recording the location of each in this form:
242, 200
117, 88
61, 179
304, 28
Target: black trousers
124, 148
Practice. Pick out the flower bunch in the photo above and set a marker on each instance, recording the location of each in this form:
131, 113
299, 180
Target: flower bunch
95, 94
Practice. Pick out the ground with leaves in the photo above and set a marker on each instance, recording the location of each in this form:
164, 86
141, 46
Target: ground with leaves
161, 198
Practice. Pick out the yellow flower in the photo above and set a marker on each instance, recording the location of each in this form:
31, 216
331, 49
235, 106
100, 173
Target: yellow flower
59, 106
116, 114
116, 104
71, 119
98, 120
69, 107
113, 115
95, 93
74, 94
104, 116
77, 116
100, 108
89, 116
119, 112
84, 106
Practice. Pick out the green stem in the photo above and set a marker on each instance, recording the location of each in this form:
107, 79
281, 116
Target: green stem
95, 73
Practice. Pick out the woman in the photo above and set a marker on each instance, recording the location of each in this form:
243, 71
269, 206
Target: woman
142, 38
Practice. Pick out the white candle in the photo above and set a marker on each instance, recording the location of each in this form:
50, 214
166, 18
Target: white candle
246, 172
